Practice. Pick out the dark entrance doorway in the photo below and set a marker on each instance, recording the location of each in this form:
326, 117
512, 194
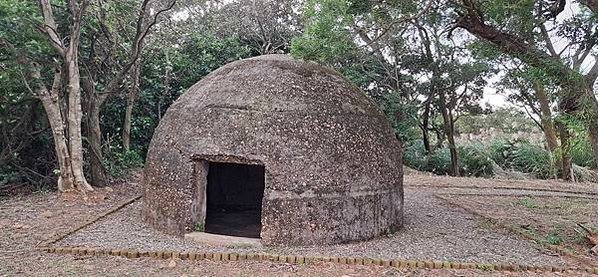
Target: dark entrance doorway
234, 199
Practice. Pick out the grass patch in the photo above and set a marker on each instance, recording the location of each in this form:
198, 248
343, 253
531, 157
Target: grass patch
199, 227
554, 238
527, 202
483, 223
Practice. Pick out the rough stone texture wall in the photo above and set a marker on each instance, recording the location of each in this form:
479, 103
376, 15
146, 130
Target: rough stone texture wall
333, 165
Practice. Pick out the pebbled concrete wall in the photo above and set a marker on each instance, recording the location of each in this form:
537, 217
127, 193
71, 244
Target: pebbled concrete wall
333, 164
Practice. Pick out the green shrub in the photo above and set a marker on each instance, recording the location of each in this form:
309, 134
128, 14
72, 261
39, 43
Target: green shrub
554, 238
580, 147
117, 161
474, 160
500, 151
530, 158
581, 153
8, 176
402, 116
414, 155
440, 162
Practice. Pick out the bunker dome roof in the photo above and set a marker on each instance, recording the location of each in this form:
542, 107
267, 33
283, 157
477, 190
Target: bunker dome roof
297, 118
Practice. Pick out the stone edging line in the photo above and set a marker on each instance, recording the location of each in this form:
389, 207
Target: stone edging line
293, 259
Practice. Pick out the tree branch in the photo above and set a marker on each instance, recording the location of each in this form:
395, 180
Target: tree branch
50, 27
140, 34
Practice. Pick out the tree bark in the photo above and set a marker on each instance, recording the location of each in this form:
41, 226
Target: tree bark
167, 77
450, 135
567, 170
453, 145
131, 98
74, 97
66, 178
548, 126
426, 123
546, 118
51, 102
94, 133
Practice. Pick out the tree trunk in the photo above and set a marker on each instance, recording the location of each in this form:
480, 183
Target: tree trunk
449, 132
548, 126
546, 118
425, 124
66, 178
52, 105
126, 135
167, 77
94, 133
567, 170
580, 89
94, 102
131, 97
74, 106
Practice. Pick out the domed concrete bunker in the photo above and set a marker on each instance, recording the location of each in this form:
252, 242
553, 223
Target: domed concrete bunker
278, 149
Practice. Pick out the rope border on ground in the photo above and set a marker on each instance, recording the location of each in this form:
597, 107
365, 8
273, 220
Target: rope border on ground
58, 236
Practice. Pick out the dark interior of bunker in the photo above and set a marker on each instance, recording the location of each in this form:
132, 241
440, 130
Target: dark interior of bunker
234, 199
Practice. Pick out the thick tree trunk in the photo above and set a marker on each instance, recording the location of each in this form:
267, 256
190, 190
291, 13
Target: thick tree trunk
131, 97
546, 118
94, 103
74, 104
74, 128
66, 178
94, 134
52, 105
548, 126
567, 169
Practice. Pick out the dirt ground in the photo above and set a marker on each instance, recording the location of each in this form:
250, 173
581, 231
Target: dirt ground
27, 220
550, 220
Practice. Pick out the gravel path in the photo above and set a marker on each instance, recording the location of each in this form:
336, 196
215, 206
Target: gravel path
433, 231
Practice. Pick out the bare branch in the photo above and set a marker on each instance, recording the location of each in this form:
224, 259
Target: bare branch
50, 27
402, 20
547, 40
141, 33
